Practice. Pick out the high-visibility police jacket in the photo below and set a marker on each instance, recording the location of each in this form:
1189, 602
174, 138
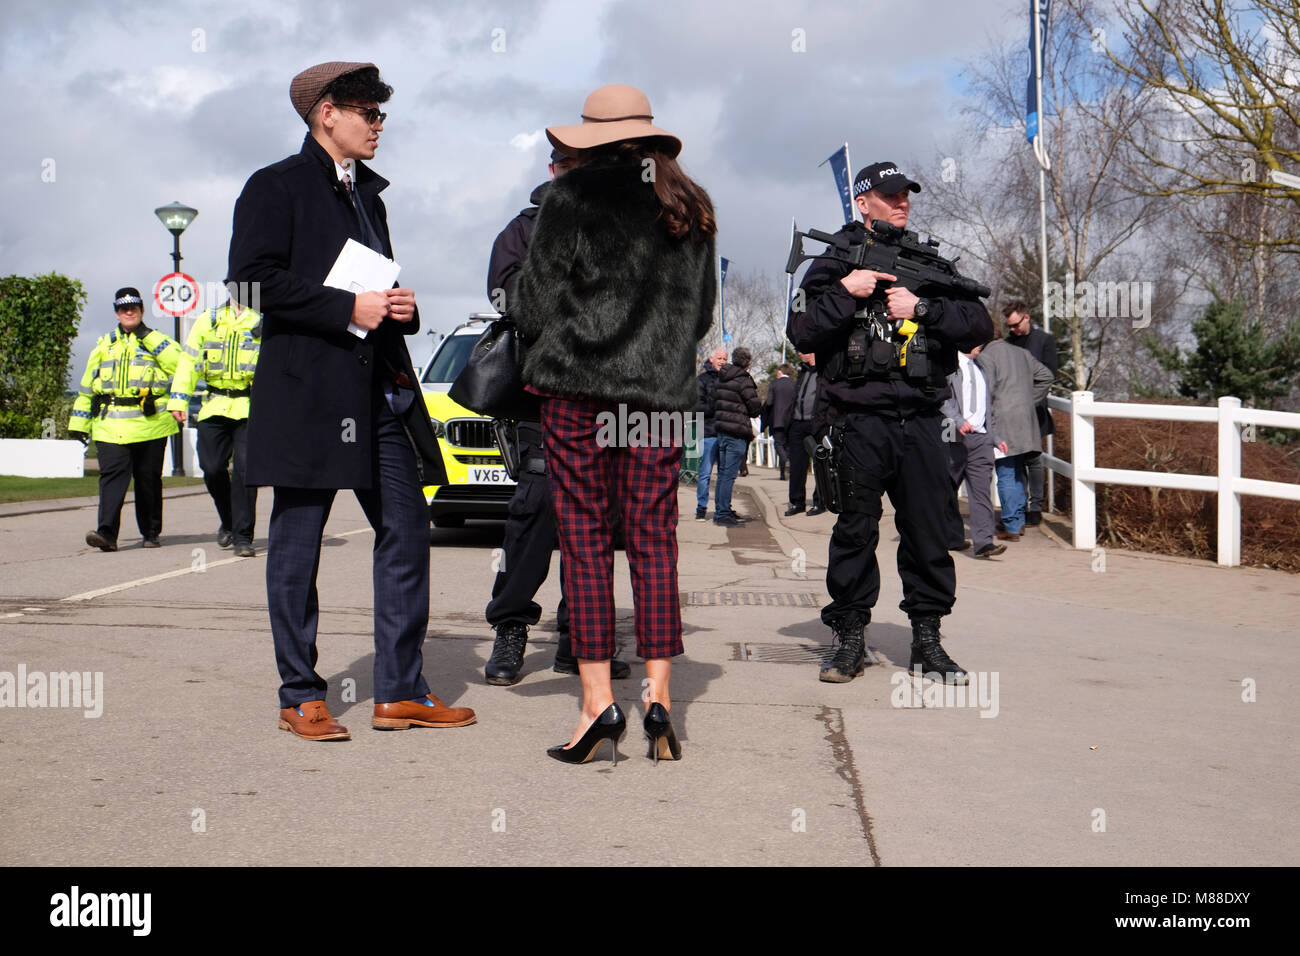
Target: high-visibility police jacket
129, 373
222, 350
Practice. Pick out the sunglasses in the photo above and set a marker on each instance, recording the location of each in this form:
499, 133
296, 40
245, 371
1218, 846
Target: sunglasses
371, 113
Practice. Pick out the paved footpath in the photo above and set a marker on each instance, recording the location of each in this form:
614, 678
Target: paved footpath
1138, 714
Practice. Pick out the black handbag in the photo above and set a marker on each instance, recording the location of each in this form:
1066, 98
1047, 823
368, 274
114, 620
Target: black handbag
491, 383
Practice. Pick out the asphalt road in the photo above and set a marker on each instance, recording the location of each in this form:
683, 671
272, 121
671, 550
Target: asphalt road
1138, 714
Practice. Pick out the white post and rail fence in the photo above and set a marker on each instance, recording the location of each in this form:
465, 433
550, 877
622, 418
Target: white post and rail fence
1084, 475
1228, 484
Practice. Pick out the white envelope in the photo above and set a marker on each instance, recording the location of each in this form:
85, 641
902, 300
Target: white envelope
360, 269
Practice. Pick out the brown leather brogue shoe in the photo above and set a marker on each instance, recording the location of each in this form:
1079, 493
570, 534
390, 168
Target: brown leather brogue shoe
311, 720
403, 714
1008, 536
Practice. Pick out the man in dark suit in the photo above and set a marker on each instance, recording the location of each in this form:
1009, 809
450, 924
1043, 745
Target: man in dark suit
778, 409
336, 404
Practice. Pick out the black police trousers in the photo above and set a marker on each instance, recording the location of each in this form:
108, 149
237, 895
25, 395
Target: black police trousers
799, 464
220, 439
906, 459
118, 465
531, 536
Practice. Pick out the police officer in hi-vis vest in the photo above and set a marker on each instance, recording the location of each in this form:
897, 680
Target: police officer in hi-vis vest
222, 350
121, 404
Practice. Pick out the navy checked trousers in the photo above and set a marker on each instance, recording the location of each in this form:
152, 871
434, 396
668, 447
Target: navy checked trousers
395, 508
584, 476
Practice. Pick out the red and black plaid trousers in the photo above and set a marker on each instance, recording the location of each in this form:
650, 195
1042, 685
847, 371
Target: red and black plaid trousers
644, 481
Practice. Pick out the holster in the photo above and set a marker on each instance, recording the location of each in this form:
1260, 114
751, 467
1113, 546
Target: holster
825, 473
507, 436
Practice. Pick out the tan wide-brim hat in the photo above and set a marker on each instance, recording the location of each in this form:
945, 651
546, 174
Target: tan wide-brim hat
612, 113
308, 86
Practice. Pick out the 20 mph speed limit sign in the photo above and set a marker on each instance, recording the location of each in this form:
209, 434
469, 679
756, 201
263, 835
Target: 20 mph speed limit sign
176, 293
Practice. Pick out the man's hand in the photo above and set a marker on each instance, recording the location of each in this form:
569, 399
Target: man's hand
966, 428
860, 283
179, 415
84, 438
1002, 447
401, 304
902, 303
369, 309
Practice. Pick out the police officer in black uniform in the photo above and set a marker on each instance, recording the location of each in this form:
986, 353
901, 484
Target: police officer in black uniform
884, 421
531, 533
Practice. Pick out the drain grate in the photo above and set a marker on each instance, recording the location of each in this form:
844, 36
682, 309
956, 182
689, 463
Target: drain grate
791, 653
750, 598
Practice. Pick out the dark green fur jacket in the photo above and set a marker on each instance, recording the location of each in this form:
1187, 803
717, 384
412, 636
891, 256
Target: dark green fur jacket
611, 305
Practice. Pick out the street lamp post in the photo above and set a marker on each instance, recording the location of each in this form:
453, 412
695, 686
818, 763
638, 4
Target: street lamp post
176, 218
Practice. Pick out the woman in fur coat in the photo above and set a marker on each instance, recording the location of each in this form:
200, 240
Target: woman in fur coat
617, 290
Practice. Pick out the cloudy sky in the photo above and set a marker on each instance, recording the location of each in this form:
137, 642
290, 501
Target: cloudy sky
122, 107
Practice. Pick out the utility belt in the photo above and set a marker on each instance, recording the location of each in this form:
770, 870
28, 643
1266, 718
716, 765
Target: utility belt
876, 351
99, 404
231, 392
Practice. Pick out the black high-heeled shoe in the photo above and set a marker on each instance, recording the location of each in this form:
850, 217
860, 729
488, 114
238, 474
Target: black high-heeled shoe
610, 725
663, 740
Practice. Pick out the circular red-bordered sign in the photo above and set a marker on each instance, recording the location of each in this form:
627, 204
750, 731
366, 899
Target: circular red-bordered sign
176, 293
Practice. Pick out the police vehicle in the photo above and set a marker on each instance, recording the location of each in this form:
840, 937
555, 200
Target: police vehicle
477, 483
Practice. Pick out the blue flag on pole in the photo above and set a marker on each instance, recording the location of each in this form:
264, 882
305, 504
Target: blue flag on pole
839, 161
1037, 32
722, 298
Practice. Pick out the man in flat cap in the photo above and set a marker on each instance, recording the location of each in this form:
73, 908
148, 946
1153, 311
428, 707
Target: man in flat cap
336, 403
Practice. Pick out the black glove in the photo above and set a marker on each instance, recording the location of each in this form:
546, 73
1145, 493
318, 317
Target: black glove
83, 438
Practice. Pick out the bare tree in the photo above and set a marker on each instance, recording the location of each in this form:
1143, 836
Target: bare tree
1095, 224
756, 314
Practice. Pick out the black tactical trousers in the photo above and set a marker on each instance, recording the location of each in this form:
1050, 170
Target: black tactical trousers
531, 538
220, 440
908, 460
118, 465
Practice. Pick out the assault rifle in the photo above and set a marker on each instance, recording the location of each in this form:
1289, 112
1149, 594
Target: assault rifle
876, 345
892, 249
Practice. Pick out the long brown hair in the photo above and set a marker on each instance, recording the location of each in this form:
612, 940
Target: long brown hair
686, 206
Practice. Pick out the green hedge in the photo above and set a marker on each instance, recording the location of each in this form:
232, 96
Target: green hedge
39, 316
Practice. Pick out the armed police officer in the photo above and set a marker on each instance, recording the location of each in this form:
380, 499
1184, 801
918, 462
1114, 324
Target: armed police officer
885, 342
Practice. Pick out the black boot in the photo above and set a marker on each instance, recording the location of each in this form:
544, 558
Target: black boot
507, 654
566, 663
850, 654
928, 655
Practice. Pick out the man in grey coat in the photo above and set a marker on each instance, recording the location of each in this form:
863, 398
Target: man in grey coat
970, 427
1017, 382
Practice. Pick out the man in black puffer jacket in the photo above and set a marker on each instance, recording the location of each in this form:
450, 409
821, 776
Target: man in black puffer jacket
735, 402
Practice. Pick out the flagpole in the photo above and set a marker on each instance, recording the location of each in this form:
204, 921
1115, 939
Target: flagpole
1040, 153
848, 171
1044, 164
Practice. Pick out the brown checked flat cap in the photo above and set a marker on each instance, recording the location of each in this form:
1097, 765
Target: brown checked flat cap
308, 85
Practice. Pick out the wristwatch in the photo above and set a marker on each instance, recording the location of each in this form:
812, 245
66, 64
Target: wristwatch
921, 311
